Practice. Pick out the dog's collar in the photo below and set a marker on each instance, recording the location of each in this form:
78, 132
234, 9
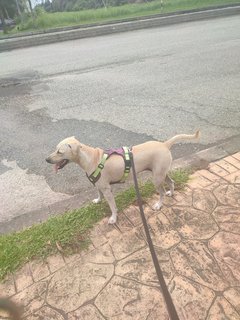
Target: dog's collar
125, 152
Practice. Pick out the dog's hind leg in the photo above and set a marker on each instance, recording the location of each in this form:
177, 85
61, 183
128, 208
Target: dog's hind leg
107, 193
158, 205
99, 198
158, 180
170, 184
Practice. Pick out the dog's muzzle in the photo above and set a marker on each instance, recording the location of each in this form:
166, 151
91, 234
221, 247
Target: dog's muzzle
49, 160
57, 165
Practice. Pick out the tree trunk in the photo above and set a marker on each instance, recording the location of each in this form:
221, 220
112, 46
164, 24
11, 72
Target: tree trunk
30, 5
3, 19
6, 13
104, 4
18, 8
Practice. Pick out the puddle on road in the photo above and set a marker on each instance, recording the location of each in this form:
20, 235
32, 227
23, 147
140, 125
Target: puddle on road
24, 192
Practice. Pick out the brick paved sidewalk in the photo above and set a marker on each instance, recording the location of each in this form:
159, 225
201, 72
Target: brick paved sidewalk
197, 239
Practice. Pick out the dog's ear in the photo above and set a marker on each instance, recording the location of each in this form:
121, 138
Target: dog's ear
75, 147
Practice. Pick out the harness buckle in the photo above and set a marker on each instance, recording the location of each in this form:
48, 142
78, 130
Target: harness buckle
101, 166
91, 178
127, 169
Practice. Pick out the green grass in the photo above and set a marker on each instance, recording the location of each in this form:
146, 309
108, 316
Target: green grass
180, 177
61, 19
69, 231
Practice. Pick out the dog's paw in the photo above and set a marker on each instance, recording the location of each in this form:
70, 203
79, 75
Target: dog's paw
112, 220
157, 206
97, 200
169, 193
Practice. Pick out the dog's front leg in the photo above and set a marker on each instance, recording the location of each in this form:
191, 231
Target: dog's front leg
99, 198
107, 193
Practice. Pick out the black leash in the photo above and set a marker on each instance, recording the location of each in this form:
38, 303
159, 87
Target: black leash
167, 297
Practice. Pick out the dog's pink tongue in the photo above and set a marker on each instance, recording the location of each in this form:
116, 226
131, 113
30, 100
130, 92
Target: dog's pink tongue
55, 167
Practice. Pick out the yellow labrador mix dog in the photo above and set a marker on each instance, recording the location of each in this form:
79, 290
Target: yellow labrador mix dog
153, 155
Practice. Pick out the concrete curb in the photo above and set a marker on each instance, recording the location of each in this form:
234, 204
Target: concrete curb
202, 158
110, 22
94, 31
199, 160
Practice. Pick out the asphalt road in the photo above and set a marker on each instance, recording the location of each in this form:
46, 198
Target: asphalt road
114, 90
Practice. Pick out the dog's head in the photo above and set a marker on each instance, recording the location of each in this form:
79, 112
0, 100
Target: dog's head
66, 151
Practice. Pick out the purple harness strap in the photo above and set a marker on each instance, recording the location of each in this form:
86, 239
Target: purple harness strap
117, 151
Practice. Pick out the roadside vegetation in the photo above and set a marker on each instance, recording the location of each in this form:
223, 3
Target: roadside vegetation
104, 11
68, 232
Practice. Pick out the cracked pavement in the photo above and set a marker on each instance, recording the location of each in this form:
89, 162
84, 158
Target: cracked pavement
114, 90
196, 235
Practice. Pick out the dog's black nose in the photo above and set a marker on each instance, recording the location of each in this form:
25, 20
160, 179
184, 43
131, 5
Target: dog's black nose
48, 160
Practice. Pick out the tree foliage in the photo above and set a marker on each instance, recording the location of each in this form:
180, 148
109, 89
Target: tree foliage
76, 5
8, 8
12, 8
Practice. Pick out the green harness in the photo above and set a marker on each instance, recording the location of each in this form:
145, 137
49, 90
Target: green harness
125, 152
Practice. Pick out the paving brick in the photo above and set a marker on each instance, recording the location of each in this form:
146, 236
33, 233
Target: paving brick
87, 250
55, 262
214, 168
196, 180
123, 223
222, 309
226, 166
72, 258
184, 198
237, 156
31, 299
125, 243
7, 288
39, 270
233, 161
108, 230
97, 237
23, 278
85, 313
233, 296
208, 175
233, 177
132, 213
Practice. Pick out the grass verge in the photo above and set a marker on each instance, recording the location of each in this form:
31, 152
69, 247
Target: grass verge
69, 231
62, 19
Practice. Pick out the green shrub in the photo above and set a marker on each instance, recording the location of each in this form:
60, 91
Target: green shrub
45, 20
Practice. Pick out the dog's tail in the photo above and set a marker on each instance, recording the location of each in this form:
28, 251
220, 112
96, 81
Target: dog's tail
180, 137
